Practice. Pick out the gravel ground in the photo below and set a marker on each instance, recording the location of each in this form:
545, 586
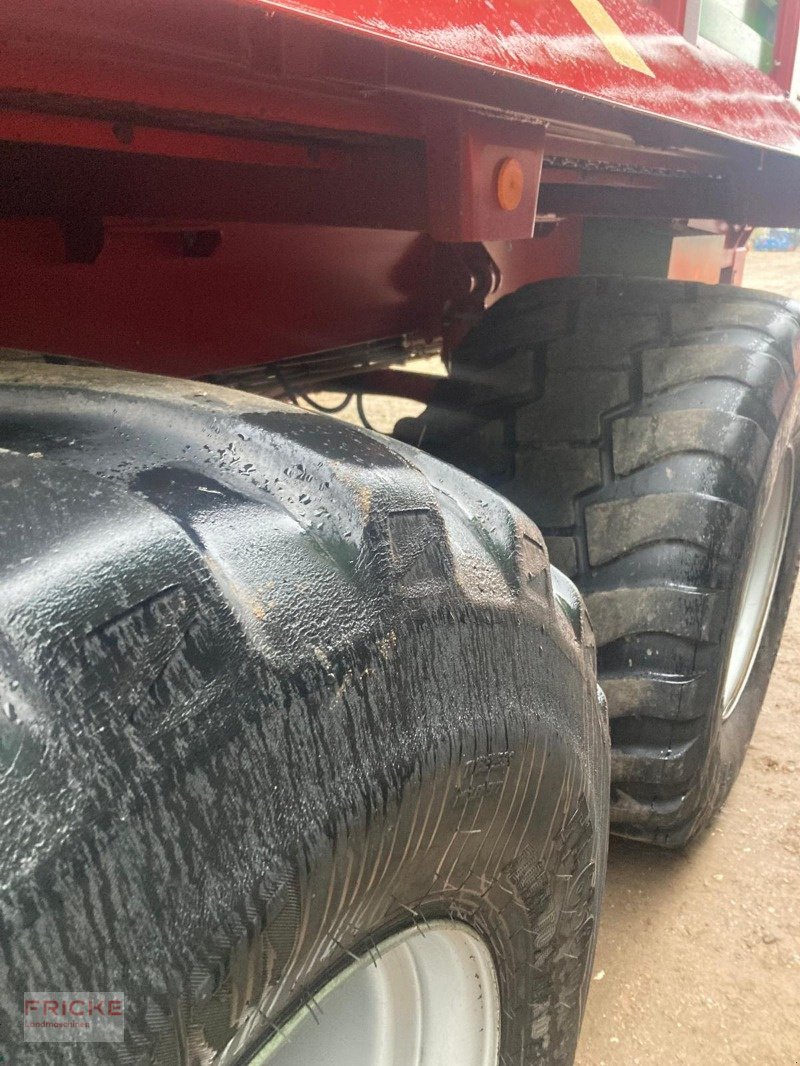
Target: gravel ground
698, 960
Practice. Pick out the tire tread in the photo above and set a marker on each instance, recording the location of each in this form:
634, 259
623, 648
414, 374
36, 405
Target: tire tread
650, 429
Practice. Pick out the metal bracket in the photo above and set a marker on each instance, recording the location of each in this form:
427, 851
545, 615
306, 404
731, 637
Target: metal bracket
483, 177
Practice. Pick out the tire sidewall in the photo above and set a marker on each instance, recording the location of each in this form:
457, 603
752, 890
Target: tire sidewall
729, 737
498, 816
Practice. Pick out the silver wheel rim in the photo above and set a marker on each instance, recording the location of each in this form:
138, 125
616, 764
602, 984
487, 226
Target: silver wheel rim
759, 587
424, 997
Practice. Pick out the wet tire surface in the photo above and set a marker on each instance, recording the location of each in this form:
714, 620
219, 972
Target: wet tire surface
274, 687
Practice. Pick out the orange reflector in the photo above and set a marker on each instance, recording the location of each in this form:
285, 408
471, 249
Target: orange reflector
510, 183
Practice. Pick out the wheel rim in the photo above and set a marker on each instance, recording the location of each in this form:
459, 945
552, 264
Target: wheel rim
422, 997
759, 587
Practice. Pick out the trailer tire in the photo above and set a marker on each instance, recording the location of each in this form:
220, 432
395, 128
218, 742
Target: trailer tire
646, 426
277, 690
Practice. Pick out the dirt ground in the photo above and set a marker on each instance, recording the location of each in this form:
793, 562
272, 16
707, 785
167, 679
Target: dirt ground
698, 960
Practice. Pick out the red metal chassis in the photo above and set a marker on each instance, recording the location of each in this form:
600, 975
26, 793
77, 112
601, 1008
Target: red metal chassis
194, 186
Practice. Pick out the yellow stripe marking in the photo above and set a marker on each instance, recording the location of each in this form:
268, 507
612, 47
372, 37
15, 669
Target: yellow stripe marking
611, 36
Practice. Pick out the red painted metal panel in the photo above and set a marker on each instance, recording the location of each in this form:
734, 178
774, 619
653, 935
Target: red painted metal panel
787, 32
674, 11
218, 56
201, 114
553, 43
268, 292
464, 159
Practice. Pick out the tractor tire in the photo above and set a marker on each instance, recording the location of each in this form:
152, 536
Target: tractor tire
649, 428
283, 703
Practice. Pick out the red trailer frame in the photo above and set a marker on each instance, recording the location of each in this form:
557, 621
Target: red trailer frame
193, 186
